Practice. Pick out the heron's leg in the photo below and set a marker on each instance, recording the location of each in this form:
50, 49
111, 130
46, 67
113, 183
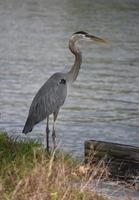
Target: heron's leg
47, 134
53, 132
54, 136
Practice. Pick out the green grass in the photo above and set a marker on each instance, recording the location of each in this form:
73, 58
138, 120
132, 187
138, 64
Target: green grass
28, 172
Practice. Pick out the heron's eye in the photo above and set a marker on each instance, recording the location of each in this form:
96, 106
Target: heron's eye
62, 81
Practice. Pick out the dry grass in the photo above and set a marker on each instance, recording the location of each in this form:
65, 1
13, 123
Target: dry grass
27, 172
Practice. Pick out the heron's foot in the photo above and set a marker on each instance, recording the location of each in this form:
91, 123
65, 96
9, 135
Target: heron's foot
54, 139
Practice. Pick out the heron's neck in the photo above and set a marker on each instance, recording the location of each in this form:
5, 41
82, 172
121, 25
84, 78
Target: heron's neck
73, 73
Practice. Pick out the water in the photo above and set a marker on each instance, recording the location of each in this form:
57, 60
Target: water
103, 103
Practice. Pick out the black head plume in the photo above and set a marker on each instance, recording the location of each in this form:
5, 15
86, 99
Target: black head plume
81, 32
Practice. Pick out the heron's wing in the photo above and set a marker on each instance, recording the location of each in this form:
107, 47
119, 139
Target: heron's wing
49, 99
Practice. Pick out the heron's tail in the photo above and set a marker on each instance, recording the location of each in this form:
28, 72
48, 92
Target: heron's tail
28, 126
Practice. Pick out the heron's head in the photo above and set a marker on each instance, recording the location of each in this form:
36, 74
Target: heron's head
82, 35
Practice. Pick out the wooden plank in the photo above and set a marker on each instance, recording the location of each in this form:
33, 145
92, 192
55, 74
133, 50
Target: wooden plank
122, 160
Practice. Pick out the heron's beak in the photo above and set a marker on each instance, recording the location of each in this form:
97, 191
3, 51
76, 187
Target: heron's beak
96, 39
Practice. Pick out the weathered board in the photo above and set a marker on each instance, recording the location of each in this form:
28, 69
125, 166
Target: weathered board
122, 160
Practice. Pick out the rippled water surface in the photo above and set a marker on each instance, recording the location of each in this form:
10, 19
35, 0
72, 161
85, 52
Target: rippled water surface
103, 103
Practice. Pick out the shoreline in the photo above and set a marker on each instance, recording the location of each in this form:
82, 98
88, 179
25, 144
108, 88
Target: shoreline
28, 172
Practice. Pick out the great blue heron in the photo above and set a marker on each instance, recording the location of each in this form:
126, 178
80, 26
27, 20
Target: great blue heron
52, 94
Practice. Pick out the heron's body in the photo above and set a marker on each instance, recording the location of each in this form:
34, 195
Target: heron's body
51, 96
48, 100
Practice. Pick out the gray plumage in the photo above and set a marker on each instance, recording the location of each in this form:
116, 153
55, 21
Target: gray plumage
48, 100
52, 94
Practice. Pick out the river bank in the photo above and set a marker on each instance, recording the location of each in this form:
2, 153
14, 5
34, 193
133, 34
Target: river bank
27, 171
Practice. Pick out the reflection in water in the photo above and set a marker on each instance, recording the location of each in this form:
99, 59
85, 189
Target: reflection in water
104, 101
